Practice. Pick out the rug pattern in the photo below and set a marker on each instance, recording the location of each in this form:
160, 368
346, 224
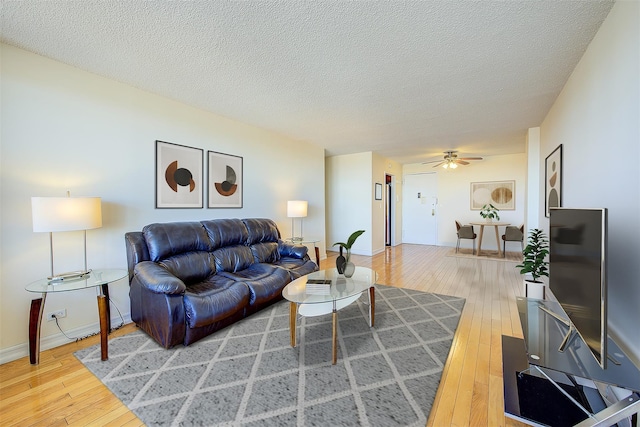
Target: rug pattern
249, 375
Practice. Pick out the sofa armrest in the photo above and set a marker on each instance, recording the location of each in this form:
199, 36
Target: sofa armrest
157, 279
292, 250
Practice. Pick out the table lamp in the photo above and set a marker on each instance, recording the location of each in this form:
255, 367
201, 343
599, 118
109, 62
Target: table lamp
53, 214
296, 209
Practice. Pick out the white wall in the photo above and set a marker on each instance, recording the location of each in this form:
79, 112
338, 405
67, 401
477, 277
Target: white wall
348, 199
66, 129
454, 192
351, 205
596, 118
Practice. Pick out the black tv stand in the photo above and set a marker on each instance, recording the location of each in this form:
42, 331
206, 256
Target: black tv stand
543, 386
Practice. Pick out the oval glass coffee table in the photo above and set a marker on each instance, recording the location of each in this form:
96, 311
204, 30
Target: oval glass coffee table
326, 291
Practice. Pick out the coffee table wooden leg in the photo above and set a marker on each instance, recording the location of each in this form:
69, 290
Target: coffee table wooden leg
293, 312
334, 350
104, 327
372, 306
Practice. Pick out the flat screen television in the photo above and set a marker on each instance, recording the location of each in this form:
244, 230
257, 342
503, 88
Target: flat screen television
578, 273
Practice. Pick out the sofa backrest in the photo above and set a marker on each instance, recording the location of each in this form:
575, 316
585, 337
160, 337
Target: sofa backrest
225, 232
232, 244
190, 267
172, 238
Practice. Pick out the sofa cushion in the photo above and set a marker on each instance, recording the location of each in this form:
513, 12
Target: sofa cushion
214, 299
261, 230
190, 267
296, 266
233, 258
265, 281
165, 240
226, 232
265, 252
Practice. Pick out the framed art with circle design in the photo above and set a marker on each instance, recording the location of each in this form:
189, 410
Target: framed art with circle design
553, 180
501, 194
179, 176
225, 180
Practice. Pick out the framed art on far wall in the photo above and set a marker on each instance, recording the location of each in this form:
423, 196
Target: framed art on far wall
179, 176
501, 194
225, 180
553, 180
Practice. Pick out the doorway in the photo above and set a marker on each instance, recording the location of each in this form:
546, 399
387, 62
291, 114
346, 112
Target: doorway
388, 210
419, 209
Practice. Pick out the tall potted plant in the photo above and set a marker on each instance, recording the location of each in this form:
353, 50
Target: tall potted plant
344, 264
534, 263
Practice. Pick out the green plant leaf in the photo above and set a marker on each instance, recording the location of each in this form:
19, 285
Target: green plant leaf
350, 241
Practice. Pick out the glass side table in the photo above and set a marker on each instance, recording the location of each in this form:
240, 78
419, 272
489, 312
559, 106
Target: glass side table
307, 242
96, 278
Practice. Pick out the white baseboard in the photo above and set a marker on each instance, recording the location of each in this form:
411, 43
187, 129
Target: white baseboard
22, 350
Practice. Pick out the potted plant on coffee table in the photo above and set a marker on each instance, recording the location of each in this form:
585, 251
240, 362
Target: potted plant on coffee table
534, 263
344, 264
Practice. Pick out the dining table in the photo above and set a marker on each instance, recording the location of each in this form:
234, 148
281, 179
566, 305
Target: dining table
495, 224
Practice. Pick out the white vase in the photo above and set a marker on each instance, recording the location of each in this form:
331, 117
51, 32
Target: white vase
535, 290
349, 269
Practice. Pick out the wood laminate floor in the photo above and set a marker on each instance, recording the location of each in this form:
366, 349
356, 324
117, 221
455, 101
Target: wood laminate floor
61, 392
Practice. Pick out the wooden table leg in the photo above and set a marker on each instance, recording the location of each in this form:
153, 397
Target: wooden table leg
480, 239
105, 292
293, 312
334, 349
498, 241
104, 327
317, 254
35, 320
372, 306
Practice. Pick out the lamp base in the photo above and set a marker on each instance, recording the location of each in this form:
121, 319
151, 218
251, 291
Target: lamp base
68, 276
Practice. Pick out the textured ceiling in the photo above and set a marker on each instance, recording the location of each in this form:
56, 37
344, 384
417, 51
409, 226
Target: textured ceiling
407, 80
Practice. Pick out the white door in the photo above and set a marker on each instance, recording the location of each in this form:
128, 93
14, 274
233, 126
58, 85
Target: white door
419, 209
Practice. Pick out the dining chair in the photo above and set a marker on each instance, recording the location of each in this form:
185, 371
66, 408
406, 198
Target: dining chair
465, 232
512, 234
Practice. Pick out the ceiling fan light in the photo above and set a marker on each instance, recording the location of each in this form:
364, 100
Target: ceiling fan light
446, 165
453, 165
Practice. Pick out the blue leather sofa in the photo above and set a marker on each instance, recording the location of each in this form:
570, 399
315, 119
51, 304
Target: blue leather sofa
189, 279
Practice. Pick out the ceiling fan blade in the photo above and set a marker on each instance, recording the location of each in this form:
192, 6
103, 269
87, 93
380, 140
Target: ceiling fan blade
461, 162
470, 158
432, 161
439, 164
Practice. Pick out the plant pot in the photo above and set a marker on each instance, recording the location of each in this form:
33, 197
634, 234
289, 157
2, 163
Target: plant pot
535, 290
349, 269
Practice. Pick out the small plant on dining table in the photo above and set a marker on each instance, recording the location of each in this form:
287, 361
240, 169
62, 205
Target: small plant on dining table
489, 212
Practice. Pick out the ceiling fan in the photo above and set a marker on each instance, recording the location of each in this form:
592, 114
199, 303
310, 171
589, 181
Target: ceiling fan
451, 160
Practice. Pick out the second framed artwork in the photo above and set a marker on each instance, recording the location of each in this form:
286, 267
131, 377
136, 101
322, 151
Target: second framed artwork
225, 180
553, 180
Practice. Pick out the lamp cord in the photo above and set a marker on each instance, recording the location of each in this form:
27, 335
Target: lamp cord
76, 339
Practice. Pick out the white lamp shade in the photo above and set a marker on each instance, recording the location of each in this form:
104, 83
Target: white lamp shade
52, 214
297, 208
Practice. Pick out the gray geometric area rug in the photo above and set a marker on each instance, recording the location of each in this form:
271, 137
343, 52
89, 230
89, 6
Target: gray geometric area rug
249, 375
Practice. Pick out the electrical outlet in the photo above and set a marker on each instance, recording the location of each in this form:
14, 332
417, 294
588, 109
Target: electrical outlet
59, 314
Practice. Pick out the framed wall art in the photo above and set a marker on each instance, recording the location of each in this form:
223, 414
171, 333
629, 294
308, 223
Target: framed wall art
225, 180
553, 180
179, 176
501, 194
378, 194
